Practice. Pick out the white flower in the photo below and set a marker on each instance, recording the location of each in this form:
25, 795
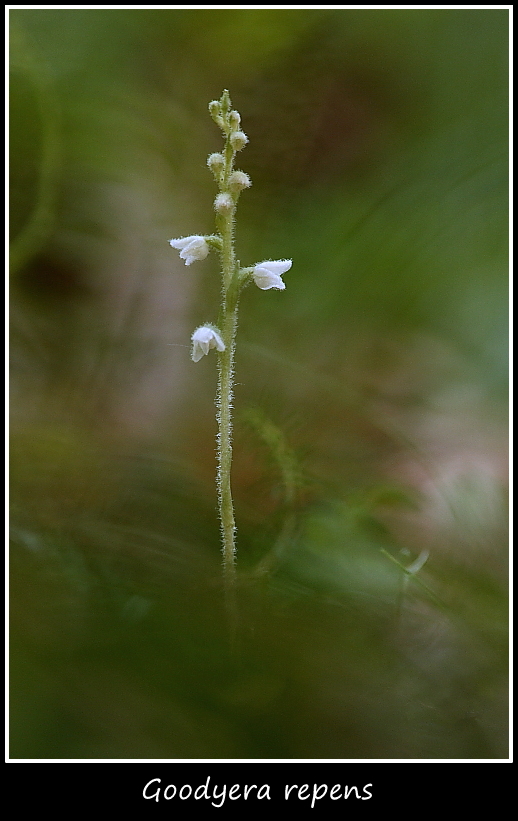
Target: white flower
191, 248
268, 274
203, 339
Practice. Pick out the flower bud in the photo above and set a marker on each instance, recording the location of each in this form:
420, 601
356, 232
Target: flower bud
223, 203
234, 118
216, 163
238, 180
215, 113
238, 140
225, 102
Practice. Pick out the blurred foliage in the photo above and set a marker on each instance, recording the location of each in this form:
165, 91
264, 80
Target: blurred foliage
370, 434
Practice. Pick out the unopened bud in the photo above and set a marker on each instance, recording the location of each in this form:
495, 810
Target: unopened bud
238, 140
238, 180
225, 102
234, 119
215, 113
216, 163
223, 203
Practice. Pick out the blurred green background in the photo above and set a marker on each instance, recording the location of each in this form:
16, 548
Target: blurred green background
370, 410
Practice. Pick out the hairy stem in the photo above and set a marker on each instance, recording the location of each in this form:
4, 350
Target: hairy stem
224, 404
225, 222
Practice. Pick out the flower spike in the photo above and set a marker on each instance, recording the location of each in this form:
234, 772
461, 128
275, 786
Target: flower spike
231, 182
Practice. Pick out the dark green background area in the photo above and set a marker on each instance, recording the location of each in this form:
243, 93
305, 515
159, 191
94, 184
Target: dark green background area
371, 395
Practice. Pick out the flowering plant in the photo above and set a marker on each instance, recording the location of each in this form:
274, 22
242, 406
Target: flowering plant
266, 275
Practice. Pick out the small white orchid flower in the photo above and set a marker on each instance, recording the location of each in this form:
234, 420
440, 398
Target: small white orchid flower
191, 248
268, 274
203, 339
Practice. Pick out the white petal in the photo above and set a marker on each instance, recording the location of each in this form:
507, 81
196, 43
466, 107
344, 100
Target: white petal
197, 353
276, 266
191, 248
203, 335
178, 244
265, 281
218, 342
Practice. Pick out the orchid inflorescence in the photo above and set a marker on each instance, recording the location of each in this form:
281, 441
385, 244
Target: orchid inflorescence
266, 275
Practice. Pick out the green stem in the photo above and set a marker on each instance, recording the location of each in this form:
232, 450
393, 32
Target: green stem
225, 223
224, 405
